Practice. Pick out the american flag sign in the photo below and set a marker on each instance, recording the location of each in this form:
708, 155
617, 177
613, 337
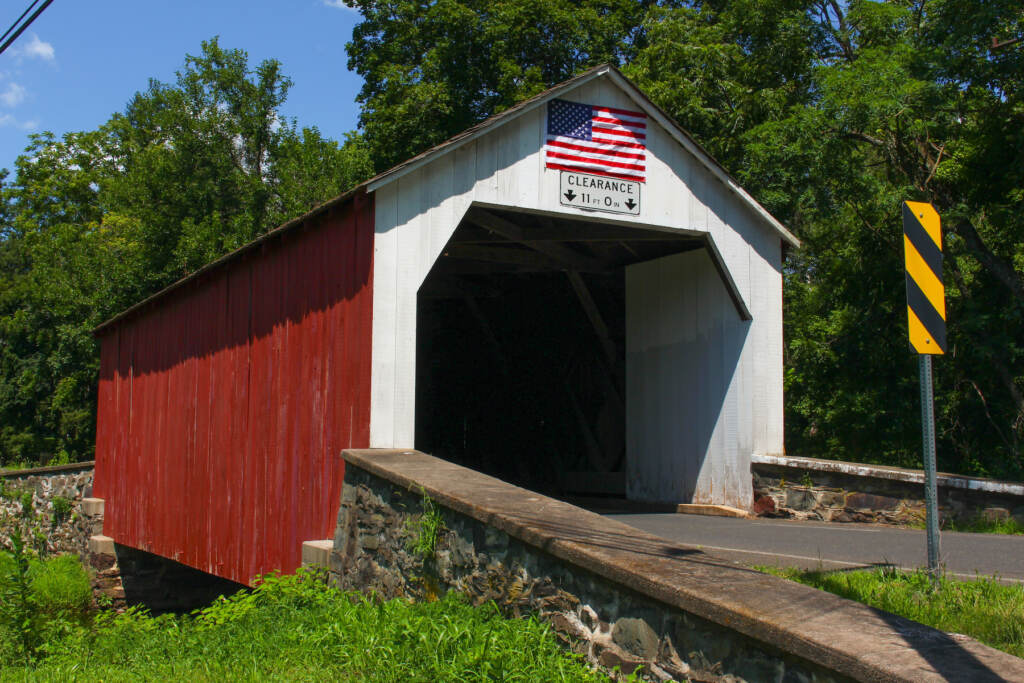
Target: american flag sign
600, 140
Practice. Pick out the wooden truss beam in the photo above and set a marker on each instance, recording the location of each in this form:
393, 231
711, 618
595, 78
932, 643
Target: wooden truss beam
569, 258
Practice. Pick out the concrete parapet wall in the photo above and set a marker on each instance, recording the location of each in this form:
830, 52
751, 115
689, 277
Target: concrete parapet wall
68, 533
617, 595
834, 491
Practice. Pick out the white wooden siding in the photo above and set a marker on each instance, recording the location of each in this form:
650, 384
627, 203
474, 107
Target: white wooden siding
687, 395
417, 213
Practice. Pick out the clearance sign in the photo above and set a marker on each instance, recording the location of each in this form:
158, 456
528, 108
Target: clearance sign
926, 297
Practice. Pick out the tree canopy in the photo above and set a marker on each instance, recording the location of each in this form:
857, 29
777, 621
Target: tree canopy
94, 221
830, 113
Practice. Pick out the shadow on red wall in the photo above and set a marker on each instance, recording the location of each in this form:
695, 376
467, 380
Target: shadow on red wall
223, 406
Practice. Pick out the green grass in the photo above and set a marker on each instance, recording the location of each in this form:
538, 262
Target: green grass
987, 526
983, 608
41, 601
978, 525
297, 629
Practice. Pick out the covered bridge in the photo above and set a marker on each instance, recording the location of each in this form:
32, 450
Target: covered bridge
572, 296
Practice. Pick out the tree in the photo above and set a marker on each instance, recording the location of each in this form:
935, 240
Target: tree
908, 102
434, 69
831, 114
98, 220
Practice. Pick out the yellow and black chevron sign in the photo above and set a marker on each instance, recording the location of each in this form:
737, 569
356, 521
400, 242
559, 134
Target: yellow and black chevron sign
926, 296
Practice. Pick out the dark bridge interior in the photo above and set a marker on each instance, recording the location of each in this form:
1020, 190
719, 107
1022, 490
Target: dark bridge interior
521, 348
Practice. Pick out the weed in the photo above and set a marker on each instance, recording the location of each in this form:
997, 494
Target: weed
27, 507
296, 628
425, 531
42, 601
17, 604
981, 608
985, 525
806, 480
10, 492
61, 510
61, 586
977, 525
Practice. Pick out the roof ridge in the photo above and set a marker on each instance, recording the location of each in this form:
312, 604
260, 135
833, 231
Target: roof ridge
680, 134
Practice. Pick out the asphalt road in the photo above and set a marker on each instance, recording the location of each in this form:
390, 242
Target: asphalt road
835, 546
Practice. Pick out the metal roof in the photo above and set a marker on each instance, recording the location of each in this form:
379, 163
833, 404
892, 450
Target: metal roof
466, 136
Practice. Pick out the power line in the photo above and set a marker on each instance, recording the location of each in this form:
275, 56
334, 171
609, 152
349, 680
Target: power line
15, 24
21, 29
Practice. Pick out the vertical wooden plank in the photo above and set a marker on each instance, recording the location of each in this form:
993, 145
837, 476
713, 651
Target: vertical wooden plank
185, 395
708, 382
199, 544
304, 489
289, 377
410, 222
362, 295
155, 474
306, 406
439, 206
767, 344
218, 404
106, 407
339, 270
277, 408
145, 391
677, 206
385, 299
525, 141
118, 498
486, 188
240, 310
257, 421
506, 141
320, 443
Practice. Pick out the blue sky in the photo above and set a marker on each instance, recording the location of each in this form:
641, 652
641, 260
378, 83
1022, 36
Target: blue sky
82, 61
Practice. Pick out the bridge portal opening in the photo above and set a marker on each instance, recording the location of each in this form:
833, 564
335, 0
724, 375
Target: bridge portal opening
521, 360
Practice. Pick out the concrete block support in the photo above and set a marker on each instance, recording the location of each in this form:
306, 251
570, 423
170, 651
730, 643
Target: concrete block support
317, 553
92, 507
101, 545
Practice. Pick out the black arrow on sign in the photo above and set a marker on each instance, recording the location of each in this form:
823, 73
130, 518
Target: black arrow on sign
630, 204
570, 195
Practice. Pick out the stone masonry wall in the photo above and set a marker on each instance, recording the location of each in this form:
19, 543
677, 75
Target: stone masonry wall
125, 577
121, 576
804, 488
40, 526
609, 624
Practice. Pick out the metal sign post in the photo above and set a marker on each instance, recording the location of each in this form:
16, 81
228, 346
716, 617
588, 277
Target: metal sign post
926, 318
931, 502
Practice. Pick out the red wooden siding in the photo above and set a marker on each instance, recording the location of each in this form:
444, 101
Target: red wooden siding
224, 406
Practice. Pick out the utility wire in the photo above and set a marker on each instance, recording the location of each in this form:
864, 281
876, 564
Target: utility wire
24, 26
15, 24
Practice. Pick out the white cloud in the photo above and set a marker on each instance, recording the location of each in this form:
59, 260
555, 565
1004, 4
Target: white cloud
35, 49
339, 4
8, 120
13, 95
